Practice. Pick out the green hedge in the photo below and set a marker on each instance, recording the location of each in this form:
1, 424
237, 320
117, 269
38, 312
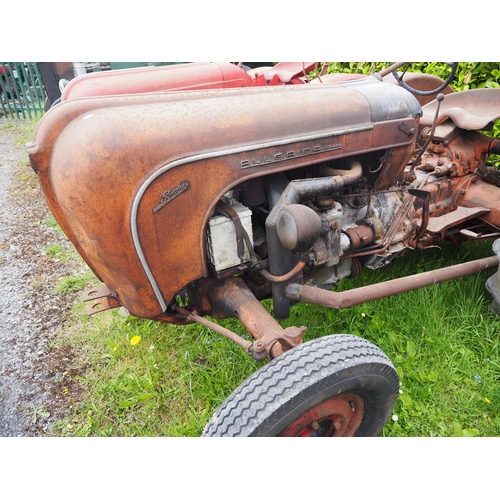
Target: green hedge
469, 75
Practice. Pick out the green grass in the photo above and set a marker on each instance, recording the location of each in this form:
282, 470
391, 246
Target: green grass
443, 340
50, 221
23, 129
167, 384
54, 250
72, 283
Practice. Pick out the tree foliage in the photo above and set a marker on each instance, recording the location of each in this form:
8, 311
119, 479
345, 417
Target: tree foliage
469, 75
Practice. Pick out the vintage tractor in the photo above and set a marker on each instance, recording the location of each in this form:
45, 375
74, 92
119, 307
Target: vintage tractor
201, 189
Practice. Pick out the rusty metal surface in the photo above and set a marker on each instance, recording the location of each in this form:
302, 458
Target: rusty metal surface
469, 110
421, 81
327, 179
349, 298
102, 299
281, 260
285, 277
140, 147
401, 205
134, 179
479, 193
231, 298
440, 224
360, 236
451, 189
194, 317
339, 416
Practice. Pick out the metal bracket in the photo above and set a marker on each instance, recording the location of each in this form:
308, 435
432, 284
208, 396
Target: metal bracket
104, 299
406, 128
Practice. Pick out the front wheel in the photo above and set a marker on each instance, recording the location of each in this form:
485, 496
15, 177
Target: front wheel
340, 385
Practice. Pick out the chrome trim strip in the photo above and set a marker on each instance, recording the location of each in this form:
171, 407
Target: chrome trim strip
205, 156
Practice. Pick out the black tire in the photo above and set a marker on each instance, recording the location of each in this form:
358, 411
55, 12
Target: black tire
342, 372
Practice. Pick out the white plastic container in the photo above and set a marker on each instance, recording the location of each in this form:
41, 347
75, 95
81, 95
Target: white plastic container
221, 236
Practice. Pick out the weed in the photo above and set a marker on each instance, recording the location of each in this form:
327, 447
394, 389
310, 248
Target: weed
69, 284
171, 381
25, 130
37, 413
7, 126
54, 250
51, 222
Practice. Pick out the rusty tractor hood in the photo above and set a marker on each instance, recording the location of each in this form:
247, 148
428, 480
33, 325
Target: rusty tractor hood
132, 180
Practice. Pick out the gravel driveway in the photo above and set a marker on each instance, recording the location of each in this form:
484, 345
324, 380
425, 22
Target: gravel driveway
33, 390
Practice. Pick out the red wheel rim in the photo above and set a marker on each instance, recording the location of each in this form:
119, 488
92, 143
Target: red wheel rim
338, 416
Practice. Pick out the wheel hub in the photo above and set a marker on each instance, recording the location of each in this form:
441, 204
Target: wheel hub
338, 416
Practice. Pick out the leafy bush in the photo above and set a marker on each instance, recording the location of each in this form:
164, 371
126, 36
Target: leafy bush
469, 75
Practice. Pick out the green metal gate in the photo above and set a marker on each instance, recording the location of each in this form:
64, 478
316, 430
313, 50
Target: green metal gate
21, 90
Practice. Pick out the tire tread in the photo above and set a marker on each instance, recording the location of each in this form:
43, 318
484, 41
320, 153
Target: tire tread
283, 378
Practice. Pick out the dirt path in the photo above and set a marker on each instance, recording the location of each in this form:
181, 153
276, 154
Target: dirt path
33, 395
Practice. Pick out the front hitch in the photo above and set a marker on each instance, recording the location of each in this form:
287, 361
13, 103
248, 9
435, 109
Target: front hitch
231, 298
